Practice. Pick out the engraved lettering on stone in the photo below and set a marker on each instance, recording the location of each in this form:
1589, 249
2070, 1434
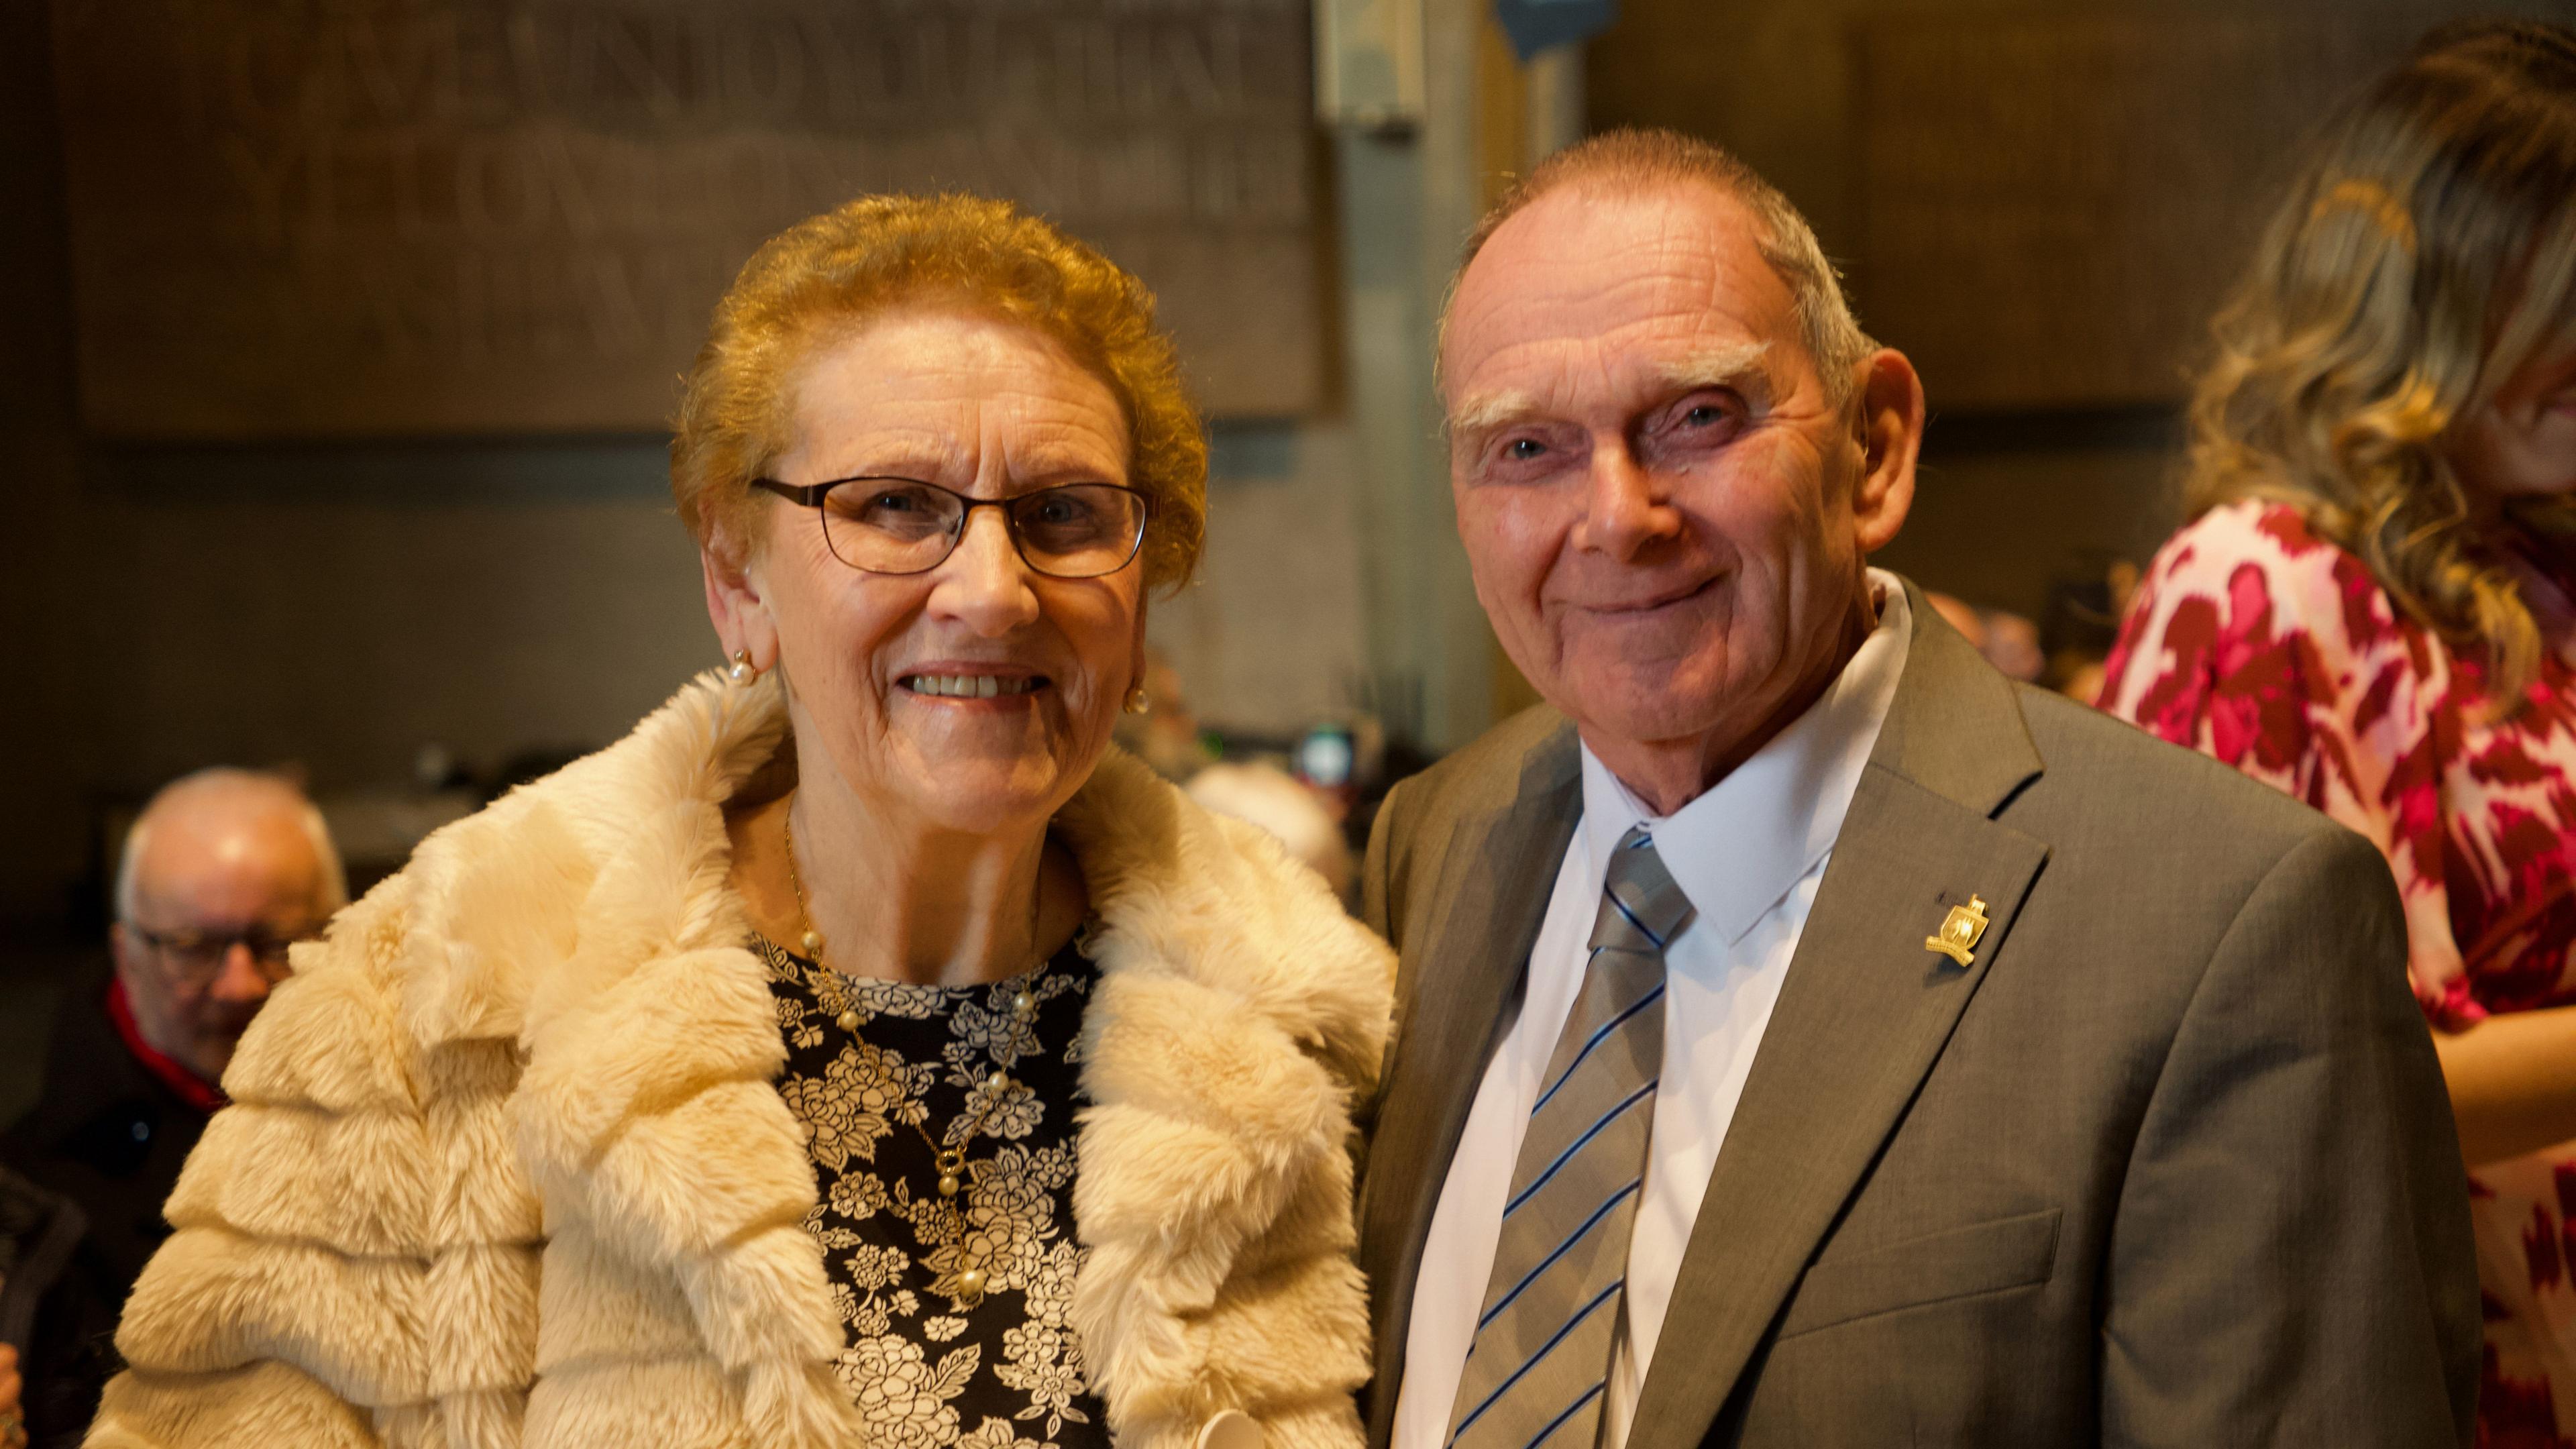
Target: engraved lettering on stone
298, 216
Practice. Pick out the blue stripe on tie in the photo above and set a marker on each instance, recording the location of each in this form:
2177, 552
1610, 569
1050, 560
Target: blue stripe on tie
1642, 841
1649, 999
1571, 1409
1561, 1249
1613, 897
1504, 1387
1588, 1134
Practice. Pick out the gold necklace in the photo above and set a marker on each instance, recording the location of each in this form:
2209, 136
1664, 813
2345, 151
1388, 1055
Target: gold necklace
949, 1161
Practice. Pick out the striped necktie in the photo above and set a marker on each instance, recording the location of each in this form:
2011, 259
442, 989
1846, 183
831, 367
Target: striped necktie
1540, 1361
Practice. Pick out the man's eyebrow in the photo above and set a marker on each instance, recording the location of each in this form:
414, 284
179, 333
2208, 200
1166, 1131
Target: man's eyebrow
1489, 410
1738, 365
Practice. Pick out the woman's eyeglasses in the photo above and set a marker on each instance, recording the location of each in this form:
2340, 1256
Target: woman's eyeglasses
905, 526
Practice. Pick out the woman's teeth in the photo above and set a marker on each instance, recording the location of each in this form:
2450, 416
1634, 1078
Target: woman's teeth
970, 686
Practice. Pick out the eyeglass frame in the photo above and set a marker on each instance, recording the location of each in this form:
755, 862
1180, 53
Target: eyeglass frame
181, 944
810, 495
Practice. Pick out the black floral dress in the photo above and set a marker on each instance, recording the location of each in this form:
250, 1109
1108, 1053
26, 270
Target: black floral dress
930, 1364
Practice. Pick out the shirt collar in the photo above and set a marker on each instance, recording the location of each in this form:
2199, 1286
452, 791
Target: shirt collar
186, 1085
1740, 846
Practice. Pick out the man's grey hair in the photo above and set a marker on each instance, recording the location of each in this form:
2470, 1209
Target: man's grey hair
1634, 160
224, 783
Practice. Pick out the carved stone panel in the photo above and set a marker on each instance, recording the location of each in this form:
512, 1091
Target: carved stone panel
2052, 206
386, 217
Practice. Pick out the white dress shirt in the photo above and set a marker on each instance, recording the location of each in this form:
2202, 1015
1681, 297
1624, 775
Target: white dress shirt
1750, 853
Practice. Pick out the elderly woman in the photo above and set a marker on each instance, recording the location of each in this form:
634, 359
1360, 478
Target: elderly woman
2375, 607
859, 1053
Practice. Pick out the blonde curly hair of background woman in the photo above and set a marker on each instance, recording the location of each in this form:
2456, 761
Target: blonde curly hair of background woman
830, 275
2427, 249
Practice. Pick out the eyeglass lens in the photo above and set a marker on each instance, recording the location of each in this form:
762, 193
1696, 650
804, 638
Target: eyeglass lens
202, 953
891, 526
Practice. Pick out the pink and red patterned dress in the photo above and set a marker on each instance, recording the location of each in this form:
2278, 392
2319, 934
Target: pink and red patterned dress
2259, 644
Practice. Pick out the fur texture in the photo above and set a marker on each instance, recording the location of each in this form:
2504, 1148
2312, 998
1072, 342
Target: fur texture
506, 1167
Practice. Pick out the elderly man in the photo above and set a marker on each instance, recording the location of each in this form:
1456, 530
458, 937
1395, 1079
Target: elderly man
221, 872
1808, 1036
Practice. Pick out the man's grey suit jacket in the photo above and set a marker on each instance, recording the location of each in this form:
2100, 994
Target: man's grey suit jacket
2169, 1164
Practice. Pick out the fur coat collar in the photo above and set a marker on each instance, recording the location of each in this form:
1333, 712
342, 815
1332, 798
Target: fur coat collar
1239, 1015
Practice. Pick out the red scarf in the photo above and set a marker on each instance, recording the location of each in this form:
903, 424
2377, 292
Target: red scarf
192, 1089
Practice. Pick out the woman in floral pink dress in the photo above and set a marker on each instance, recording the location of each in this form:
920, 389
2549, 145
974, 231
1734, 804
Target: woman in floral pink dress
2372, 607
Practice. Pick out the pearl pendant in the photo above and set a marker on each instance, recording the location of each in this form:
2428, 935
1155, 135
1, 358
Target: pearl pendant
948, 1186
970, 1285
996, 1082
847, 1021
812, 943
1024, 1003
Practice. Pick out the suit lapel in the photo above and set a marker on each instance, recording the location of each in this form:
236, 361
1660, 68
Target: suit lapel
1862, 1016
1460, 982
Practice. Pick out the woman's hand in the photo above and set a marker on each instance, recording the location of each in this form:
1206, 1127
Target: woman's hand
13, 1415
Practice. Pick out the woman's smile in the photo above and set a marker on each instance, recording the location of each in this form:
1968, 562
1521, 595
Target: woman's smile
1006, 688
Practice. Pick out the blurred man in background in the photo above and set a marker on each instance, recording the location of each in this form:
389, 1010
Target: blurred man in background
221, 872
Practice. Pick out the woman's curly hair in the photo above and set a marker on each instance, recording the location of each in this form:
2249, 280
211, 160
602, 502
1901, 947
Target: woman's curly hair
829, 275
2427, 249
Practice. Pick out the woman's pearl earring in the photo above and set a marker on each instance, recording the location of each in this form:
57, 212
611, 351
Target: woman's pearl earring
1137, 703
741, 672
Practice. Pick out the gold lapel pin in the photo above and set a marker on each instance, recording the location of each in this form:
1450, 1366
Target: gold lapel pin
1961, 932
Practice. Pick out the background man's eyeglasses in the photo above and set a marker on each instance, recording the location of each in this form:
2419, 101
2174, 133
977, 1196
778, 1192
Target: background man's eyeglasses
199, 955
905, 526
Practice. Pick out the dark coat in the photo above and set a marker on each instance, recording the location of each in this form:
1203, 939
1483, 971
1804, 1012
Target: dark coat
43, 1294
108, 1136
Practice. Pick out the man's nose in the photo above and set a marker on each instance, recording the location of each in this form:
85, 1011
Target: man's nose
985, 583
241, 978
1625, 508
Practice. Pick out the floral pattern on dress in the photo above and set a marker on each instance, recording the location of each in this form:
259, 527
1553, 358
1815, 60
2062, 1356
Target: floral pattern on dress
860, 1098
2271, 650
927, 1369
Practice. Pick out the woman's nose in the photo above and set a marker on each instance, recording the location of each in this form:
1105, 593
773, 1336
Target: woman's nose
985, 583
1625, 510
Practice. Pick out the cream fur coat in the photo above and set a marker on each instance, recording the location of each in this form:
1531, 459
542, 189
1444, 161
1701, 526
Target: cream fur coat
506, 1167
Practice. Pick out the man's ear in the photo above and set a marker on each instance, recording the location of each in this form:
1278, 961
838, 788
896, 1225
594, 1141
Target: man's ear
736, 600
1889, 430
